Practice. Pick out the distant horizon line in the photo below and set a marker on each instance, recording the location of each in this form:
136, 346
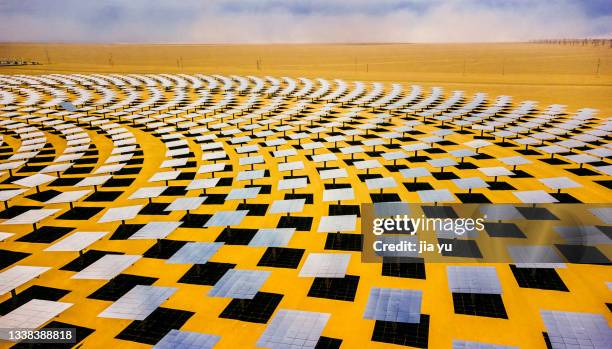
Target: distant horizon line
292, 43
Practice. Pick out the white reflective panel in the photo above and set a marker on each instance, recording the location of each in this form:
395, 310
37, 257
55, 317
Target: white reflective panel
4, 236
164, 176
275, 237
147, 192
535, 197
328, 265
204, 183
287, 206
11, 193
460, 344
293, 183
495, 171
583, 235
77, 241
293, 329
559, 183
185, 204
437, 195
31, 216
33, 314
239, 284
138, 302
591, 330
120, 213
92, 181
155, 230
470, 183
338, 194
603, 213
394, 304
381, 183
18, 275
391, 209
68, 196
473, 280
226, 218
176, 339
34, 180
195, 253
107, 267
109, 168
243, 193
535, 257
333, 224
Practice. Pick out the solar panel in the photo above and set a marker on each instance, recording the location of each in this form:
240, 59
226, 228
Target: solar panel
109, 168
603, 213
535, 197
9, 194
473, 280
535, 257
68, 196
333, 173
138, 302
243, 193
195, 253
187, 340
338, 194
459, 344
226, 218
287, 206
415, 172
381, 183
275, 237
293, 329
391, 209
93, 181
34, 180
239, 284
147, 192
107, 267
155, 230
120, 213
495, 171
204, 183
329, 265
250, 175
394, 304
583, 235
293, 183
559, 183
186, 204
211, 168
470, 183
332, 224
4, 236
32, 314
164, 176
68, 106
76, 242
436, 195
30, 216
568, 329
18, 275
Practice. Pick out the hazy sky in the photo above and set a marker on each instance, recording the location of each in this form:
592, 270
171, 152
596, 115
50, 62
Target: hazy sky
275, 21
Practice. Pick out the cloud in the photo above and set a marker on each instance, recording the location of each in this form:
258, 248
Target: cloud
280, 21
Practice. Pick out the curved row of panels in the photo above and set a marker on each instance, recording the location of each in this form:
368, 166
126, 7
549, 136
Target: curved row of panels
253, 185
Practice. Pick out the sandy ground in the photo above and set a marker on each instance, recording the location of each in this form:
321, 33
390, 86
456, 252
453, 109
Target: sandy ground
577, 76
